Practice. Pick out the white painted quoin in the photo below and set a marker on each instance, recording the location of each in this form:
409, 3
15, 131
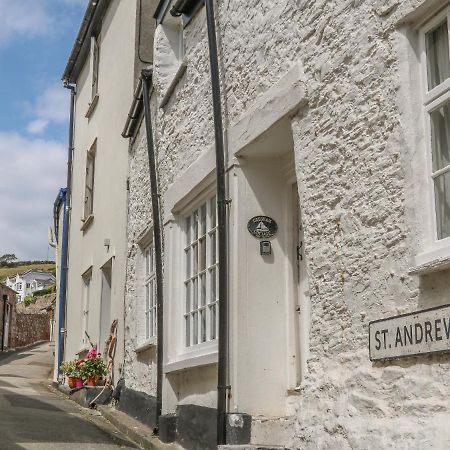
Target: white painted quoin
327, 112
28, 282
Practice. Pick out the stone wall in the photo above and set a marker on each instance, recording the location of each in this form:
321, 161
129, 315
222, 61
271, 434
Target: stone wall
356, 176
33, 321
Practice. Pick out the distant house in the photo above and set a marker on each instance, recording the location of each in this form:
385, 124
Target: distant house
30, 281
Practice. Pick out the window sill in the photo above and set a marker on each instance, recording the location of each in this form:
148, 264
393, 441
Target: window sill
87, 222
91, 106
178, 74
194, 359
431, 261
146, 345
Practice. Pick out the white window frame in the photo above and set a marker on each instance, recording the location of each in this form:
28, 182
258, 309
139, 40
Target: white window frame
150, 293
146, 295
200, 317
434, 249
88, 210
200, 186
86, 291
95, 61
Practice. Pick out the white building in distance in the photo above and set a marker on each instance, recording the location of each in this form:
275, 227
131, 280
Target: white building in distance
30, 281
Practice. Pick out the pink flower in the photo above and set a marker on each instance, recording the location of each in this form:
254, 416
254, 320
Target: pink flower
92, 354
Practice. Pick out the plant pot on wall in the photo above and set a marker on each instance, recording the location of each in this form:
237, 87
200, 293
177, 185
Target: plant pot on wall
72, 382
78, 383
93, 381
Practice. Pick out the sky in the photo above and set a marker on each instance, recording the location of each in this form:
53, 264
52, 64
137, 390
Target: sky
36, 37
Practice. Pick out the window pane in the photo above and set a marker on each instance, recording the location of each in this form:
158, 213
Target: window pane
203, 324
440, 136
203, 220
203, 289
202, 254
442, 198
195, 328
195, 255
213, 285
213, 248
195, 224
188, 263
438, 60
188, 297
213, 212
188, 230
195, 294
213, 321
187, 322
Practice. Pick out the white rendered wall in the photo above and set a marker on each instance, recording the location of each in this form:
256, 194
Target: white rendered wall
87, 249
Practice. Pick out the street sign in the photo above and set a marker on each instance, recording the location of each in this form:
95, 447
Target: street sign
417, 333
262, 227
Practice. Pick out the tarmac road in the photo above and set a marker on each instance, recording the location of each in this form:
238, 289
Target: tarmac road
33, 417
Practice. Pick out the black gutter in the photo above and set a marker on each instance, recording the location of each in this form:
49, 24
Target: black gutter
90, 26
135, 114
157, 239
222, 378
183, 7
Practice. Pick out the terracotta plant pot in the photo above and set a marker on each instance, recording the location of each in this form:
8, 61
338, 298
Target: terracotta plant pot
78, 383
72, 381
93, 381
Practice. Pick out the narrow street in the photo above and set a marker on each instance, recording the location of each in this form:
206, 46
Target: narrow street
32, 417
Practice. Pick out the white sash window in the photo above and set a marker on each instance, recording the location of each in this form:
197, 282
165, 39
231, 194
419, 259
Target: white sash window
201, 274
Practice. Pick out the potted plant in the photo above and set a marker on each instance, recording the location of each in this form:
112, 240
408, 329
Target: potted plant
68, 369
93, 368
78, 373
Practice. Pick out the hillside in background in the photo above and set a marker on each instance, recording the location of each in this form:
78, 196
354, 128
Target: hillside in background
9, 271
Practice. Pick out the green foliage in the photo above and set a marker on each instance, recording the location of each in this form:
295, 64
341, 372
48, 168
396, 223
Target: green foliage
93, 367
7, 259
45, 291
68, 368
29, 300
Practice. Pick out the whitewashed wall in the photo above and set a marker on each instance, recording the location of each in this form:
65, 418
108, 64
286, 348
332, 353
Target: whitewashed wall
358, 165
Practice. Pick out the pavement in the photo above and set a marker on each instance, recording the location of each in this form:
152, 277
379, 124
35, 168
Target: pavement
33, 417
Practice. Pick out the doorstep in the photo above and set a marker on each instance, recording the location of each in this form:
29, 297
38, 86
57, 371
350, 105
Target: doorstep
134, 429
251, 447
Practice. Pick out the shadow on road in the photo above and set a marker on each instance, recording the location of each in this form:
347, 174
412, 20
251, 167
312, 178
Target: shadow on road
44, 419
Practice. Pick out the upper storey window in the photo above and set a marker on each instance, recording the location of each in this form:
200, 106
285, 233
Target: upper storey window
436, 62
95, 58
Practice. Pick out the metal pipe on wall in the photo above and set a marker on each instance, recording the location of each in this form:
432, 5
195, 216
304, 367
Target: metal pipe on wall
222, 376
157, 238
65, 233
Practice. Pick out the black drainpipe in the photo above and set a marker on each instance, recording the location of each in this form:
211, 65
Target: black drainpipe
65, 237
222, 379
157, 239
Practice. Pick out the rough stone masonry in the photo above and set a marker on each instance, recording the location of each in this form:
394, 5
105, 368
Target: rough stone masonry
354, 153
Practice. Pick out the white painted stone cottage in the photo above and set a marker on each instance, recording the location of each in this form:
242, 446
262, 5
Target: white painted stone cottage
337, 125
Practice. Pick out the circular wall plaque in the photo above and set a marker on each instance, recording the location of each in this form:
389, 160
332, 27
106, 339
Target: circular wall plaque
262, 227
